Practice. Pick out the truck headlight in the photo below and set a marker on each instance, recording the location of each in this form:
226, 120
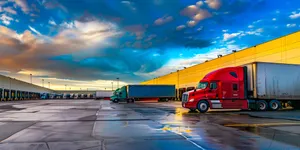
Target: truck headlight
191, 100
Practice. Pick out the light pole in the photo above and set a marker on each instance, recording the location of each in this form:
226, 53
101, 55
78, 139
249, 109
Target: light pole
9, 88
31, 78
112, 86
65, 87
49, 85
43, 82
118, 82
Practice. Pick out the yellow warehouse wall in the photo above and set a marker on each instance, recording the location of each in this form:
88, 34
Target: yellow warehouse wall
282, 50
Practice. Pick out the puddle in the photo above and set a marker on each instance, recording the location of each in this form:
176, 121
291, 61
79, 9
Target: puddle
269, 133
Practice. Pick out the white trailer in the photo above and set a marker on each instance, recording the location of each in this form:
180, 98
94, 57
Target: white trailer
103, 94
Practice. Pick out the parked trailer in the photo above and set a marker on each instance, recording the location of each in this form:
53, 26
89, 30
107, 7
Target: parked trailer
131, 93
256, 86
103, 94
66, 96
72, 96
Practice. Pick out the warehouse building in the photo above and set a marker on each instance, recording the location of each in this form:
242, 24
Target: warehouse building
13, 89
281, 50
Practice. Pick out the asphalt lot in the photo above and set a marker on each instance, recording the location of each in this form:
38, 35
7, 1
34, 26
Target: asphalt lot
100, 125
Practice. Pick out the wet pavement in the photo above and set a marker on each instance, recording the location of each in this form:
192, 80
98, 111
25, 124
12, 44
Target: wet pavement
100, 125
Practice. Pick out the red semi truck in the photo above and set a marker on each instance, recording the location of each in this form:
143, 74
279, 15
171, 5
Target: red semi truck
256, 86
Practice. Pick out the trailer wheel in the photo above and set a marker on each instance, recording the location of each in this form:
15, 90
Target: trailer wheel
203, 106
262, 105
274, 105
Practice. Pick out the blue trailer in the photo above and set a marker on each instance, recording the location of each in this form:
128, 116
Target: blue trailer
131, 93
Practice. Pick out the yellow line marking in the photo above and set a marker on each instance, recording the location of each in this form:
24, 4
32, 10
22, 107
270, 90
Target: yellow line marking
260, 125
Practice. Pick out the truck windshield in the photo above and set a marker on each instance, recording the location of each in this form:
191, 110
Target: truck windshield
202, 85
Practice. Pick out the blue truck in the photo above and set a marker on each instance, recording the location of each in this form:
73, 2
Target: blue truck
131, 93
45, 96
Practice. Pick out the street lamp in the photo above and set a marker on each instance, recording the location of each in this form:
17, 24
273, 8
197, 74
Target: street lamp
43, 82
49, 85
118, 82
31, 78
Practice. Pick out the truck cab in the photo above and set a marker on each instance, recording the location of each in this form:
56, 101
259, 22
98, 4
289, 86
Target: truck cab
119, 94
114, 96
44, 96
223, 88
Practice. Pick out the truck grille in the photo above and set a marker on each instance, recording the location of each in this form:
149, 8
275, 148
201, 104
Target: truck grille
185, 97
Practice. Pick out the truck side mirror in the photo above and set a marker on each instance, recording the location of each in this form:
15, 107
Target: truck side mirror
195, 90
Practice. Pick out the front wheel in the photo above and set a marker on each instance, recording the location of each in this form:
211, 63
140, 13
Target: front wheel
116, 100
203, 106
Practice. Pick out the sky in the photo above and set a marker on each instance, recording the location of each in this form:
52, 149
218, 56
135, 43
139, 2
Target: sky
83, 44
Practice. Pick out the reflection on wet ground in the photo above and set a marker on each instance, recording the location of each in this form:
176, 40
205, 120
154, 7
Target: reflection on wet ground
89, 124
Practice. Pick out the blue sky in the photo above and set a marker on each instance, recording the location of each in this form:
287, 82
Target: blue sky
84, 42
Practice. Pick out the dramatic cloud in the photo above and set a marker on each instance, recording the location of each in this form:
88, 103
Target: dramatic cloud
190, 11
200, 3
69, 25
253, 32
52, 4
250, 26
214, 4
34, 30
177, 64
163, 20
178, 28
10, 10
195, 13
291, 25
6, 19
23, 5
52, 22
2, 3
82, 37
191, 23
201, 14
228, 36
295, 15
